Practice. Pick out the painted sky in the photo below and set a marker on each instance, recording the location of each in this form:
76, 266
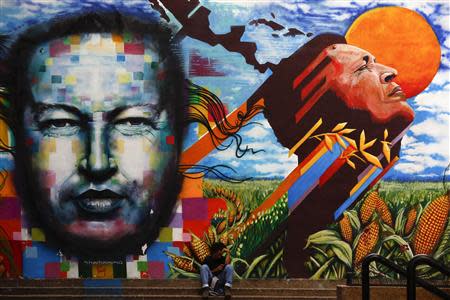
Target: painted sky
425, 151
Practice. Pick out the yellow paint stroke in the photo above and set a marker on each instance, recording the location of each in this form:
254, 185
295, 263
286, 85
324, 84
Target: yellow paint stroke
364, 179
305, 137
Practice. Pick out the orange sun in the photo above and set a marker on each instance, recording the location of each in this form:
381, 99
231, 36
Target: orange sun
402, 39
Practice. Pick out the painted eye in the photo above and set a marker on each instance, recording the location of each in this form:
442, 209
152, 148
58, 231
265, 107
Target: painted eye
59, 127
362, 68
62, 123
58, 123
135, 122
135, 126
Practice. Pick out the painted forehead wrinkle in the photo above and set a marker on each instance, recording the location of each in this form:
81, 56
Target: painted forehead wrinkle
95, 70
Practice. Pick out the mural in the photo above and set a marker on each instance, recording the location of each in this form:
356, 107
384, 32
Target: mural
302, 136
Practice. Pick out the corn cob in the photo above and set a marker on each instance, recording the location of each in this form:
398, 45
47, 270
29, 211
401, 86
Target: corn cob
182, 263
384, 212
231, 214
431, 225
239, 208
368, 207
224, 239
234, 234
211, 235
367, 241
234, 199
346, 228
187, 251
410, 220
240, 211
221, 226
199, 248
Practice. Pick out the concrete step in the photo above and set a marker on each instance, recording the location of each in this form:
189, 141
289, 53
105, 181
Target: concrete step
345, 292
154, 297
86, 289
179, 283
241, 291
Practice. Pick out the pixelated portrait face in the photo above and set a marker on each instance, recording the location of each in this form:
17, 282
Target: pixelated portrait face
98, 134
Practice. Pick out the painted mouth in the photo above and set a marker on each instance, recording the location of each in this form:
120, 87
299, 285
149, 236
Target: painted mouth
99, 202
397, 91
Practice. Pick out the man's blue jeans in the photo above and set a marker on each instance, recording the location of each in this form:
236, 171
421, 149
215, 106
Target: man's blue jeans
225, 277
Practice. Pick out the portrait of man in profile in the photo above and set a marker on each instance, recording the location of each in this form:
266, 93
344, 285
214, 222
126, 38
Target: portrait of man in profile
96, 109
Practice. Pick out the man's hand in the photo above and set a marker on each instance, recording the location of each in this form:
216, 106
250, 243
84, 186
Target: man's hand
228, 257
218, 268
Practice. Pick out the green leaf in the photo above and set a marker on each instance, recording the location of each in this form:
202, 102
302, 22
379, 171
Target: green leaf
315, 262
320, 258
322, 269
253, 265
446, 251
319, 250
401, 242
353, 218
333, 273
272, 263
444, 244
387, 228
356, 240
322, 237
343, 251
400, 222
341, 270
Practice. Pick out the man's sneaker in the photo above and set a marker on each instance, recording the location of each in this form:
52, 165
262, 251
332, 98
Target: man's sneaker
205, 292
227, 293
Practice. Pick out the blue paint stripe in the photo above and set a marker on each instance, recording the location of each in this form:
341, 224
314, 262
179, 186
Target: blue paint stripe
307, 180
6, 162
352, 199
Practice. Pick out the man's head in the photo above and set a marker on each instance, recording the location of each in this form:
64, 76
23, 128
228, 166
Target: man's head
98, 108
333, 82
365, 84
217, 249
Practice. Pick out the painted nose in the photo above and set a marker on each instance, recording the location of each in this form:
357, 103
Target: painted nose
98, 165
387, 74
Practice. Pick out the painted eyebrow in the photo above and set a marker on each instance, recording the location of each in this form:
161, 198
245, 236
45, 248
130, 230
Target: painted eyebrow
40, 108
111, 115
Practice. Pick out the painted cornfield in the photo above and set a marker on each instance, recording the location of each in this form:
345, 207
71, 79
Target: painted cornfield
396, 220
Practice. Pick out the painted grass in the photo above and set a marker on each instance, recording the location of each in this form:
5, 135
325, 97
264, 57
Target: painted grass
252, 192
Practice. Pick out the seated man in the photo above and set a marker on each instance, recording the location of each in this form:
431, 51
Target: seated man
217, 271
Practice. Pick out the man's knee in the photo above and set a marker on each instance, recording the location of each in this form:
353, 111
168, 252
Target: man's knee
204, 267
229, 268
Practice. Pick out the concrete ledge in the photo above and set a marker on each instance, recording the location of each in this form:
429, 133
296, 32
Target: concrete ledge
250, 283
345, 292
